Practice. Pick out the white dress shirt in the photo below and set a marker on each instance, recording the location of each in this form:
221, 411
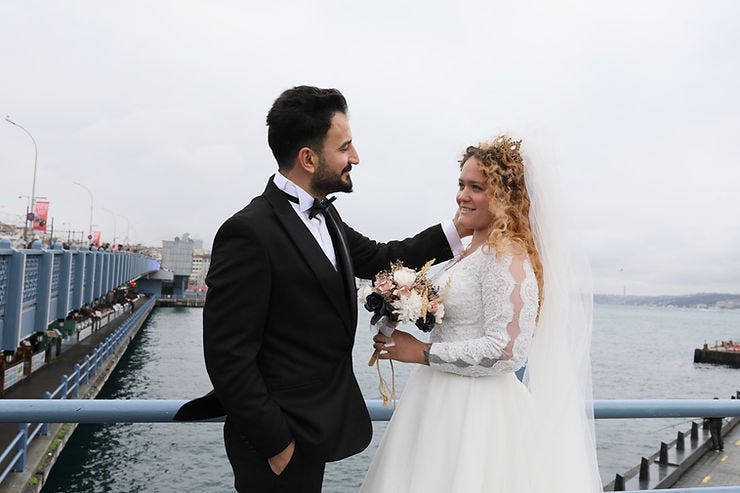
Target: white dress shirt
317, 225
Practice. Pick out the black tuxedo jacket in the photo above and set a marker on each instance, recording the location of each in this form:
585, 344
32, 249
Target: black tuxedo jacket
279, 325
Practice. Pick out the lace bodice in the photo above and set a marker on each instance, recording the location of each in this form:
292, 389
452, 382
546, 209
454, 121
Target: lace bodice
490, 312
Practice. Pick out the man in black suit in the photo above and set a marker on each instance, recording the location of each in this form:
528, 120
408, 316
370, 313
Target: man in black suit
281, 310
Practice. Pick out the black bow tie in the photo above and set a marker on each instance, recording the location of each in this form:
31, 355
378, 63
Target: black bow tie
319, 206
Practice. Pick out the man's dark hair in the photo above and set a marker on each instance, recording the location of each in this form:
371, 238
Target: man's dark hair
301, 117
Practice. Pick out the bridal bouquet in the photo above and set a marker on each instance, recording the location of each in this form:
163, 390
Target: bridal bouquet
404, 295
400, 294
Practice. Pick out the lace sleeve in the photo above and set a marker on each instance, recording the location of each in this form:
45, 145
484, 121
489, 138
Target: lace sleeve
509, 301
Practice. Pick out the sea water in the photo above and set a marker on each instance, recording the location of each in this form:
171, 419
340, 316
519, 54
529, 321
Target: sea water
637, 353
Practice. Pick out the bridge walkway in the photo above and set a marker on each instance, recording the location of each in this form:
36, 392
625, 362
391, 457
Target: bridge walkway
47, 379
716, 469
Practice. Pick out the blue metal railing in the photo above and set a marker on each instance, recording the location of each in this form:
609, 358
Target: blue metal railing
39, 287
163, 411
69, 387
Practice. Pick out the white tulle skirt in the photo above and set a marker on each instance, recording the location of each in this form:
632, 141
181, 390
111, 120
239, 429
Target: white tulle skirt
451, 433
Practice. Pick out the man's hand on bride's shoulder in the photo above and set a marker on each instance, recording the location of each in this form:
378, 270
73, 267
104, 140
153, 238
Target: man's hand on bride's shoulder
463, 232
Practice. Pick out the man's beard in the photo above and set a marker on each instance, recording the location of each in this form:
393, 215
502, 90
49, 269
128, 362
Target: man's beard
326, 181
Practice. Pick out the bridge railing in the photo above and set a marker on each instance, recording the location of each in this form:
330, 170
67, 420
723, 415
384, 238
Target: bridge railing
65, 410
29, 427
38, 286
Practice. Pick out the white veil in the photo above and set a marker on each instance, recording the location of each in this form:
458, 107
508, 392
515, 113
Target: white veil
558, 370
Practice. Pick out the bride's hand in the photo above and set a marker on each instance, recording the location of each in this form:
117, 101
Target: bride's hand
460, 229
406, 348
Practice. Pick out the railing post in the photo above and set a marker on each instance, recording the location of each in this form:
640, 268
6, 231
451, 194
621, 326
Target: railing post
20, 464
65, 387
45, 426
87, 369
94, 362
77, 379
694, 431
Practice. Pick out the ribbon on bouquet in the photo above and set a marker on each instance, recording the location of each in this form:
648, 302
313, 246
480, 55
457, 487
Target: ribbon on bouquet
388, 393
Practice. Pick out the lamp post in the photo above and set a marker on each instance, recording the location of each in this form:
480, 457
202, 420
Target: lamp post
114, 224
89, 236
33, 187
128, 227
69, 229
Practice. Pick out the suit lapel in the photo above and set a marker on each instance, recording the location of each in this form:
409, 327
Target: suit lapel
327, 277
345, 260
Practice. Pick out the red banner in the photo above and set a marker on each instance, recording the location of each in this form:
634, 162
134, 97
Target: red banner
95, 238
41, 214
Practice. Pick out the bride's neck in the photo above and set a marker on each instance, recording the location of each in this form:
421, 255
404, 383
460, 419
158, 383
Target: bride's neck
478, 239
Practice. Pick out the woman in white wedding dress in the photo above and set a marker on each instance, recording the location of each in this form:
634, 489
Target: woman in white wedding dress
465, 423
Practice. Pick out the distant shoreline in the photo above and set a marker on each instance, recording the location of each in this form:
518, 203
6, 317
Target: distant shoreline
699, 300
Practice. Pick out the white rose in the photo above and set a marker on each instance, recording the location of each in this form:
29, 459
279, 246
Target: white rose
363, 292
408, 309
440, 313
404, 276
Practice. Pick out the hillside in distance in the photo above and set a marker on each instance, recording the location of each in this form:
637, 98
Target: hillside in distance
699, 300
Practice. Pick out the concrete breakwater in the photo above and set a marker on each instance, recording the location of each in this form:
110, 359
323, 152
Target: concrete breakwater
722, 353
674, 462
44, 449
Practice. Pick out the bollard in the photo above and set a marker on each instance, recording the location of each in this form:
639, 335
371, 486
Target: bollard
644, 470
694, 431
680, 441
663, 460
619, 483
705, 426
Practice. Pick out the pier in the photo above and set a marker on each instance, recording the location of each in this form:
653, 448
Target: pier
722, 353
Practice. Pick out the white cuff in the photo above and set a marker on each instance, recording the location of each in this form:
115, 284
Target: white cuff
452, 237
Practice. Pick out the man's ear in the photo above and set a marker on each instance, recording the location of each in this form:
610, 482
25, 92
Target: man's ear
307, 160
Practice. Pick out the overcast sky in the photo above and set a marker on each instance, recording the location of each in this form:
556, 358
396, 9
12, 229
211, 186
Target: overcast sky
158, 107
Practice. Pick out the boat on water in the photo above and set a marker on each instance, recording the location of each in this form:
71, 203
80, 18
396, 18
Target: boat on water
721, 353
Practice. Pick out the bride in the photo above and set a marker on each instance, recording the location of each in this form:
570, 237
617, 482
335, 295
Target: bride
465, 423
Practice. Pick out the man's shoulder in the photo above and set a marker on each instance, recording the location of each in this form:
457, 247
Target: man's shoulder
256, 209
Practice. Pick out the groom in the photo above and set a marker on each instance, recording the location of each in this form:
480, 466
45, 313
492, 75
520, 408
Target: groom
281, 311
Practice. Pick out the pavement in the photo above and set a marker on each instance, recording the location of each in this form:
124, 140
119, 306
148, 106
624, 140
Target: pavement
716, 468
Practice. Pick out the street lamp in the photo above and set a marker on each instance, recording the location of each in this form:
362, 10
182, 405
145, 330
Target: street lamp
114, 224
89, 237
33, 187
128, 227
69, 229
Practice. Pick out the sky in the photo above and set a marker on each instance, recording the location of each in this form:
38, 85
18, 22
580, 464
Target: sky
158, 108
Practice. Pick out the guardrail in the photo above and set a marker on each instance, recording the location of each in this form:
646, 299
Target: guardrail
162, 411
69, 387
39, 287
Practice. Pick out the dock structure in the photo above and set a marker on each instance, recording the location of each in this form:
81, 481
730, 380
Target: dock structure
182, 302
722, 353
687, 462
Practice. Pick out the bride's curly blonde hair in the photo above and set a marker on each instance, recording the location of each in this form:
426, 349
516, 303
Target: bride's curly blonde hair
508, 200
